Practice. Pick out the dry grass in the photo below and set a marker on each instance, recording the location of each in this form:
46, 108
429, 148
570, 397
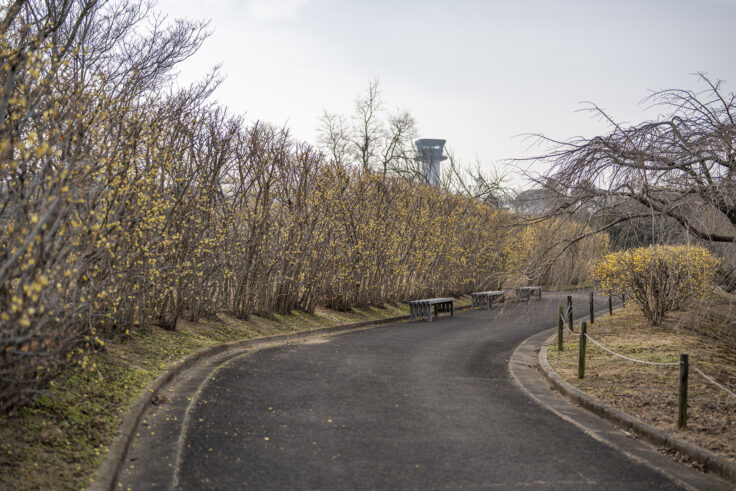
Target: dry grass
650, 392
713, 316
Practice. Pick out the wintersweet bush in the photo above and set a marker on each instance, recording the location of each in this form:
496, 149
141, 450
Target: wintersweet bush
127, 204
660, 278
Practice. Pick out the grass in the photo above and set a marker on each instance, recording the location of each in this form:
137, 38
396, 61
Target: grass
59, 441
650, 392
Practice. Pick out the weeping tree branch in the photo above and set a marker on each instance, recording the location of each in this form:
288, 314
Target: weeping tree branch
681, 166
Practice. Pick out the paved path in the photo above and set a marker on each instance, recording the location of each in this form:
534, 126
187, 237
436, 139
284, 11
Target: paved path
409, 406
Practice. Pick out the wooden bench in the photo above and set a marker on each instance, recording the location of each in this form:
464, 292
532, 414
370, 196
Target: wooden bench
421, 308
485, 299
527, 292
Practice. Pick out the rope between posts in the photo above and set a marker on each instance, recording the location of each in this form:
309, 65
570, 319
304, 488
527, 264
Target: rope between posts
663, 364
658, 363
673, 364
564, 323
731, 393
619, 354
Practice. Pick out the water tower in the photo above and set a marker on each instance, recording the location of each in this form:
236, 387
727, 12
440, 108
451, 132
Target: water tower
429, 153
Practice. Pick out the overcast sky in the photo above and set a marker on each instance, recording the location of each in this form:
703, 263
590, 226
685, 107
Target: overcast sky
476, 73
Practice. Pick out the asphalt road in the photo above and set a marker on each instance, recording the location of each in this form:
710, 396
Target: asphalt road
408, 406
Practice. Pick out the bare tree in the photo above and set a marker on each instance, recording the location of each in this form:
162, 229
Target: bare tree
333, 138
677, 172
372, 138
367, 135
398, 152
474, 182
682, 165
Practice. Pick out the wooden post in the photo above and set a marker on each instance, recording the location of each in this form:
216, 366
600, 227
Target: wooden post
610, 305
560, 322
569, 313
592, 317
581, 350
623, 300
682, 409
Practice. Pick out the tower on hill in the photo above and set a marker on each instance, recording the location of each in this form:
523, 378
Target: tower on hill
429, 153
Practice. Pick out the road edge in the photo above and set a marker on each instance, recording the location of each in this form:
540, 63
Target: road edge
712, 463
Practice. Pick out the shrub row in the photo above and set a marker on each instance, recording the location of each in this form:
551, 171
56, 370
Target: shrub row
126, 204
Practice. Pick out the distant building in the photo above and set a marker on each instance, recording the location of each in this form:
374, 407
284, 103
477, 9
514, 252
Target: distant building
429, 153
534, 201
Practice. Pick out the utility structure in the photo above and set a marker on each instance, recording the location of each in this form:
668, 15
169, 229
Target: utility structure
429, 153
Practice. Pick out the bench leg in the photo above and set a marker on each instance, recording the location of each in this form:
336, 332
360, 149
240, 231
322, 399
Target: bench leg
429, 312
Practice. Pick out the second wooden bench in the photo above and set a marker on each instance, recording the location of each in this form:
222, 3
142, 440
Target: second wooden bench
527, 292
485, 299
421, 308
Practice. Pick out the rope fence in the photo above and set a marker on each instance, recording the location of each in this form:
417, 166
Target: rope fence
643, 362
725, 389
562, 318
565, 319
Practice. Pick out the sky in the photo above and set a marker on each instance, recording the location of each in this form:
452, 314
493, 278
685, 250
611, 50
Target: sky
480, 74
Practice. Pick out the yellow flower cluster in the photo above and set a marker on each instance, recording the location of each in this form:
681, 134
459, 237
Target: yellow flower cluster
661, 278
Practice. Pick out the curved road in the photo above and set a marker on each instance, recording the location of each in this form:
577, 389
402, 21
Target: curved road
410, 406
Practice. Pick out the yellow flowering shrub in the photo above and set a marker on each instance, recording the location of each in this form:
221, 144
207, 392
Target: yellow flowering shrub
127, 204
660, 278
